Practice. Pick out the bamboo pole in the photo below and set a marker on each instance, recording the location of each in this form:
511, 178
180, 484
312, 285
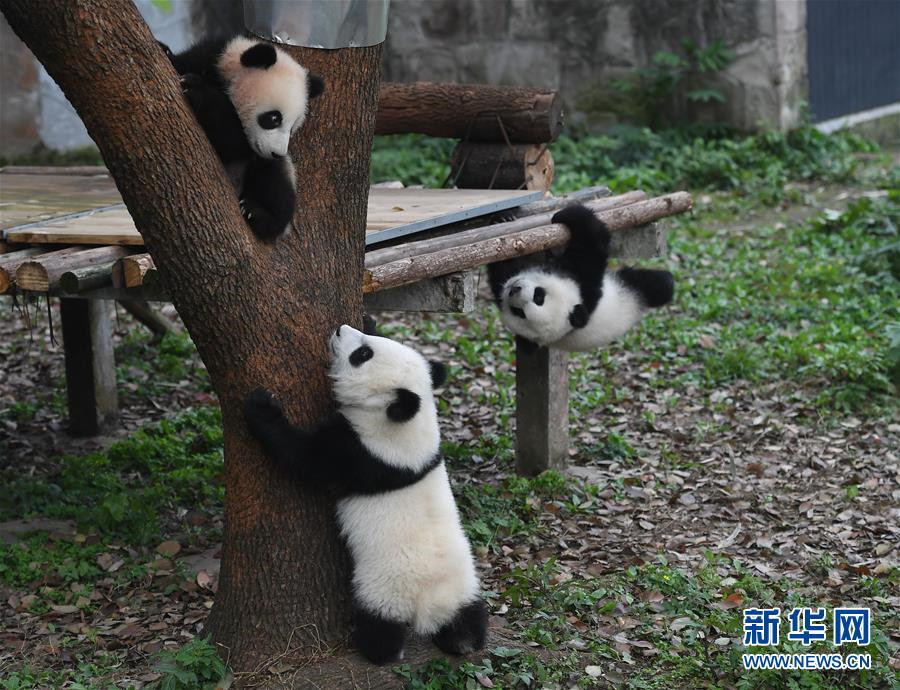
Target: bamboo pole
478, 253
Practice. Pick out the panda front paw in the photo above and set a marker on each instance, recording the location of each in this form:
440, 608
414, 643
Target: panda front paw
245, 212
261, 408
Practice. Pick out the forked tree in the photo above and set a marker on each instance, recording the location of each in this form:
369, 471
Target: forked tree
258, 312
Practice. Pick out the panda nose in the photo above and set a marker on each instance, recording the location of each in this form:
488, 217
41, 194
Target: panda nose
515, 290
277, 156
338, 331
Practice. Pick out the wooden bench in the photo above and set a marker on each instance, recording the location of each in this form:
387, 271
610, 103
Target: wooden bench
434, 273
424, 248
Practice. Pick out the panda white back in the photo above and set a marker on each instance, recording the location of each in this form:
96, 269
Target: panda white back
618, 310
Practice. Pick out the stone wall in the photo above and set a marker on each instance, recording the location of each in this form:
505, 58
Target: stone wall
576, 46
581, 46
34, 112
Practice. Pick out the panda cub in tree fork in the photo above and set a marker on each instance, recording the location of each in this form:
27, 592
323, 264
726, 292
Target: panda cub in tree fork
412, 563
249, 97
572, 302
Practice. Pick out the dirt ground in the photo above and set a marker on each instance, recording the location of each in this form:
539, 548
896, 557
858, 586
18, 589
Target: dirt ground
753, 472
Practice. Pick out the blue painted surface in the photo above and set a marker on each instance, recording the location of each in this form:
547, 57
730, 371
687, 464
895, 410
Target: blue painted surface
853, 54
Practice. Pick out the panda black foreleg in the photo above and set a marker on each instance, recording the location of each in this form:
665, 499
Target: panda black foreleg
378, 639
286, 445
268, 196
465, 632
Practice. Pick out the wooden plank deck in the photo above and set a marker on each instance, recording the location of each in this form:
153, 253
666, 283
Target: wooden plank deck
55, 208
28, 198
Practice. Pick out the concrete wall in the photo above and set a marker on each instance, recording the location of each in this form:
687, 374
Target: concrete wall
34, 112
576, 46
580, 46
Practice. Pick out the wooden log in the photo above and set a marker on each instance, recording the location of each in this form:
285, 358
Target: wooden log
460, 258
89, 170
130, 270
382, 256
148, 316
42, 273
90, 365
542, 410
554, 203
87, 278
10, 262
454, 293
471, 112
496, 165
4, 247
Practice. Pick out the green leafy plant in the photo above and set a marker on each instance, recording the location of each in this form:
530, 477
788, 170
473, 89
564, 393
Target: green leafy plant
195, 666
652, 88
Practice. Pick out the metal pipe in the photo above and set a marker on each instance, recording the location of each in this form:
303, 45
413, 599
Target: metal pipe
318, 23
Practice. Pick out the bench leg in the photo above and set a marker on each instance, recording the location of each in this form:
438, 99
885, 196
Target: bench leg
90, 365
542, 411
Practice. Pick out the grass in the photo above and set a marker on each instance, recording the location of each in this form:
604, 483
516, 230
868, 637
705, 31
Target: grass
129, 490
683, 626
754, 166
807, 307
135, 492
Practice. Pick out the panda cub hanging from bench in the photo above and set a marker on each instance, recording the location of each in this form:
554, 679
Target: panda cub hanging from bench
250, 97
571, 301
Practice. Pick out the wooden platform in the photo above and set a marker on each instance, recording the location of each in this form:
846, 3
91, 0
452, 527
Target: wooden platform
53, 208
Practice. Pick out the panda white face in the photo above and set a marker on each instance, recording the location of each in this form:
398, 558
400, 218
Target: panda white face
537, 305
385, 390
270, 92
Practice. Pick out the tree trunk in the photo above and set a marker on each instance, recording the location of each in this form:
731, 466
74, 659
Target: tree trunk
258, 312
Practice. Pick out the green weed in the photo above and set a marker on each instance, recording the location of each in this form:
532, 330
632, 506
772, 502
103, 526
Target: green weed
505, 668
122, 492
194, 666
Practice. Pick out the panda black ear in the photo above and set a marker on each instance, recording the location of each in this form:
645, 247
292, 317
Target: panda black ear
261, 55
404, 407
370, 325
438, 374
579, 316
314, 84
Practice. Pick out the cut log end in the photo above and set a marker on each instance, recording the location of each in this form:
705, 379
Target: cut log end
31, 275
484, 165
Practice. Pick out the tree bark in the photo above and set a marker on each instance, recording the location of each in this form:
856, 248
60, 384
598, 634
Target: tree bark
258, 312
470, 111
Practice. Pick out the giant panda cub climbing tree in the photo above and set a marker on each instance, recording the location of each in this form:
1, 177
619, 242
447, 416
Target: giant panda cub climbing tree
250, 97
571, 301
412, 563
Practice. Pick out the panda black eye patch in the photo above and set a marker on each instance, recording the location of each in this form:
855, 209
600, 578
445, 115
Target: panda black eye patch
270, 120
361, 354
538, 297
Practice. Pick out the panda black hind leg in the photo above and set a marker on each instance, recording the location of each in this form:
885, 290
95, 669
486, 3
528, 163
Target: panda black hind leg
268, 196
465, 632
378, 639
656, 287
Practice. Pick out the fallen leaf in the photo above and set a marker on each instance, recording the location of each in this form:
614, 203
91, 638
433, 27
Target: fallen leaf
168, 548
